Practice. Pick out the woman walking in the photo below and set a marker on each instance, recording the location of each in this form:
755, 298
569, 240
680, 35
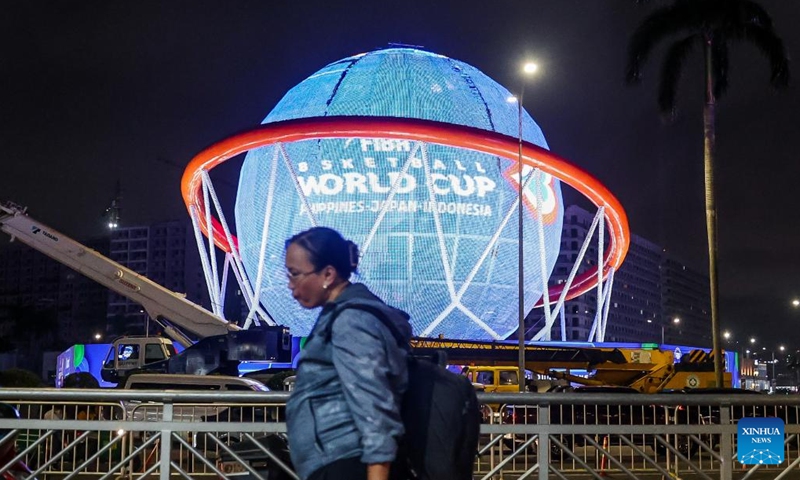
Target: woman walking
343, 417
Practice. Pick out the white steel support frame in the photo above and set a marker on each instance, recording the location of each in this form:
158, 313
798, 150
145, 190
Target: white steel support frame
216, 303
233, 256
604, 295
233, 261
257, 313
548, 314
264, 236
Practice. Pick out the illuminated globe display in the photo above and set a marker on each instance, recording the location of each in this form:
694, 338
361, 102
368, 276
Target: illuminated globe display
437, 225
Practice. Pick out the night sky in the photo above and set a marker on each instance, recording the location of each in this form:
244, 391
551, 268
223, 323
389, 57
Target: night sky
96, 91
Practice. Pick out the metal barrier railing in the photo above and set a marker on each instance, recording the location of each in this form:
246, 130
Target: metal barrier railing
130, 434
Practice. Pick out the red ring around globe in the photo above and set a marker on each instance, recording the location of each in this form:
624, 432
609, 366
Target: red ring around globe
445, 134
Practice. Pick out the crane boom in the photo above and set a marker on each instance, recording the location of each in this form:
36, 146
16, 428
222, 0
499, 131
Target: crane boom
162, 304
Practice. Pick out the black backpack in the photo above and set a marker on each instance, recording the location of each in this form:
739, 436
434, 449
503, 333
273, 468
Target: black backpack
440, 414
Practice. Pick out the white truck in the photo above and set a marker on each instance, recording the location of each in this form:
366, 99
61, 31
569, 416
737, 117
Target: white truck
177, 315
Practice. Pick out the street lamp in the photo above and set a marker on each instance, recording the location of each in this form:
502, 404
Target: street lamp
675, 321
528, 69
97, 336
662, 331
774, 382
796, 302
727, 335
752, 340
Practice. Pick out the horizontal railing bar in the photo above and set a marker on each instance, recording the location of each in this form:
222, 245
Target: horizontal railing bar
603, 429
44, 395
143, 426
638, 399
280, 427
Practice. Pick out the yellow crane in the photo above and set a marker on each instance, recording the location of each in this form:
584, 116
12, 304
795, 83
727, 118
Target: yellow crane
648, 370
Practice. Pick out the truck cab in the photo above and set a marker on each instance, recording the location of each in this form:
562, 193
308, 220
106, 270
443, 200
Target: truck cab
133, 352
493, 379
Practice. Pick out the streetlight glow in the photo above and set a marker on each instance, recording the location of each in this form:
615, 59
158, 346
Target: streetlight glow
796, 302
530, 68
676, 320
726, 334
752, 339
781, 348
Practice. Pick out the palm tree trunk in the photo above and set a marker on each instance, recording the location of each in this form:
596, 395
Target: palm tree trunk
709, 137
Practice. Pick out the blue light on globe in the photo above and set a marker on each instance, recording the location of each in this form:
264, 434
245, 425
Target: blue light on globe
437, 225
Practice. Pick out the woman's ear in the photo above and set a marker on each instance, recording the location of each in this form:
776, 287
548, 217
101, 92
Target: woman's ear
328, 275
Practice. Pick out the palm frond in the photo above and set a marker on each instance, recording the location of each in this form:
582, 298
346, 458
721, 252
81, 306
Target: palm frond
671, 72
754, 14
657, 26
771, 45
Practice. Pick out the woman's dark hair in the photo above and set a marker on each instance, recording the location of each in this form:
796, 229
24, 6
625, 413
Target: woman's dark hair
326, 246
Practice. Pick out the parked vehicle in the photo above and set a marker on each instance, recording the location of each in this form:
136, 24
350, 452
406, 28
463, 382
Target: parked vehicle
18, 470
493, 379
253, 457
139, 411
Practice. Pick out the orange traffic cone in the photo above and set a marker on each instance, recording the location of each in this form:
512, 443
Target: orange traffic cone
603, 458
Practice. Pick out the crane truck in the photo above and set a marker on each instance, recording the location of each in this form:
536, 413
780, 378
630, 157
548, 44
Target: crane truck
220, 345
648, 369
211, 343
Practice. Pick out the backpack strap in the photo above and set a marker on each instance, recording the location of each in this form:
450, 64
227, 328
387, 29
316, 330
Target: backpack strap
375, 312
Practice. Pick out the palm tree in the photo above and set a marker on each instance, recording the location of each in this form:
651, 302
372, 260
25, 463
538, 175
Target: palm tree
713, 25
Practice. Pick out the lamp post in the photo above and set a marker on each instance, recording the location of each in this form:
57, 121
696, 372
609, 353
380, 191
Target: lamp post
662, 331
727, 336
675, 321
528, 69
774, 382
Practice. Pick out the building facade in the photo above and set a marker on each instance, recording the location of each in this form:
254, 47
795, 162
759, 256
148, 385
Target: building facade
651, 290
166, 253
685, 297
44, 304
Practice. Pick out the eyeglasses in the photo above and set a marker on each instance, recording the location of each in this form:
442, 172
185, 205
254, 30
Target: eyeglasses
294, 277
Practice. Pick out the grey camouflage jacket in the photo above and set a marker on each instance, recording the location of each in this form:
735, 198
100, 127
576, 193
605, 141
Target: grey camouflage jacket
346, 401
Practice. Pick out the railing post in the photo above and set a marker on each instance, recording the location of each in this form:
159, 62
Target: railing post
543, 451
166, 443
726, 445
